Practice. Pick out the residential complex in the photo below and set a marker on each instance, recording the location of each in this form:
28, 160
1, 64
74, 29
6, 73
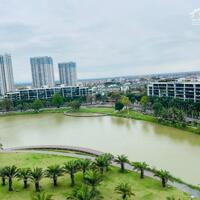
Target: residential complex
181, 90
67, 73
47, 93
42, 72
6, 74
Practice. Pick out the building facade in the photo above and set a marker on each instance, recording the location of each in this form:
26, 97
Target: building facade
42, 72
181, 90
67, 73
47, 93
6, 75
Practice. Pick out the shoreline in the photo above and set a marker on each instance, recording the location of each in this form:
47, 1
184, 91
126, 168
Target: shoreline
106, 112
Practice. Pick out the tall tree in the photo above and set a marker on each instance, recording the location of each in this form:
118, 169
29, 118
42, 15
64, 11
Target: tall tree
93, 178
6, 104
144, 102
141, 166
122, 159
101, 163
85, 165
75, 105
71, 168
57, 100
125, 190
3, 176
83, 193
37, 105
164, 176
24, 174
126, 102
36, 176
157, 108
53, 172
119, 106
11, 172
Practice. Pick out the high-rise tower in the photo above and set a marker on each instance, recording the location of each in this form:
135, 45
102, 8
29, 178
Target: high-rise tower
6, 74
67, 73
42, 72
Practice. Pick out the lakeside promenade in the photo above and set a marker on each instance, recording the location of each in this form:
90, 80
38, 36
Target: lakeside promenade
87, 153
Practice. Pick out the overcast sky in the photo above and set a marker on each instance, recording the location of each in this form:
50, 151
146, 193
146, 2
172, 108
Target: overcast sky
105, 37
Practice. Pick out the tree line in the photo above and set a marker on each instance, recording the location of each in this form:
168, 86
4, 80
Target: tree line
93, 173
56, 101
165, 109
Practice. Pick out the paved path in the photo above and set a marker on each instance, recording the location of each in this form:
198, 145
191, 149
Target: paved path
93, 153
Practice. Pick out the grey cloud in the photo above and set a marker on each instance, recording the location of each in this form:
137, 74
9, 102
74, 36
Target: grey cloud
104, 37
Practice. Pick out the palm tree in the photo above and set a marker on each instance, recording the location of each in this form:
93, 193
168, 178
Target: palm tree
109, 158
122, 159
141, 166
125, 190
36, 176
93, 178
24, 174
3, 176
11, 172
71, 168
85, 165
54, 171
42, 196
83, 193
163, 175
103, 161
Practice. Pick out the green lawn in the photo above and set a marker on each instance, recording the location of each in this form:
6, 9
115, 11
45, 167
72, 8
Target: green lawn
147, 189
111, 111
135, 115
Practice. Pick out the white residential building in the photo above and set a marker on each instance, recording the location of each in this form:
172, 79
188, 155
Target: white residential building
181, 90
6, 74
42, 72
67, 73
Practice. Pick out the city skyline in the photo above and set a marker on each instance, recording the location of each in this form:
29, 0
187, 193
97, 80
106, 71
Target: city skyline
129, 40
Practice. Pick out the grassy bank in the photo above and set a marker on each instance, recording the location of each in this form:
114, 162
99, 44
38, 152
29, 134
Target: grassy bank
147, 189
136, 115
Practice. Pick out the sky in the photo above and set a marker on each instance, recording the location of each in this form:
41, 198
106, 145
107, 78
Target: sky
104, 37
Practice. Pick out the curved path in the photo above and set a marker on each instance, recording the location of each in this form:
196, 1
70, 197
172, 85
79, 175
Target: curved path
93, 153
84, 114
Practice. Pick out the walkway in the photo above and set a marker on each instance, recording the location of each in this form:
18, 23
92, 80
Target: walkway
93, 153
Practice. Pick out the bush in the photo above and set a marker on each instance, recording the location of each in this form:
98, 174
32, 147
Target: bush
119, 106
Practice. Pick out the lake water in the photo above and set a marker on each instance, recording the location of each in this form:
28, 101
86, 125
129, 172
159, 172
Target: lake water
160, 146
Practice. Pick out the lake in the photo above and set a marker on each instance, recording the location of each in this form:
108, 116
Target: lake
163, 147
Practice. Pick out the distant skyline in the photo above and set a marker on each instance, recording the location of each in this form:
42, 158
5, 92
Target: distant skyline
105, 38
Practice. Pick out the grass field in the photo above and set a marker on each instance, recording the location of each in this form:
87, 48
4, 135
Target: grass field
147, 189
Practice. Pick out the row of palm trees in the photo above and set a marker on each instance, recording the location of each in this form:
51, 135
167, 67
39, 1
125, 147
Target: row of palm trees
92, 174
